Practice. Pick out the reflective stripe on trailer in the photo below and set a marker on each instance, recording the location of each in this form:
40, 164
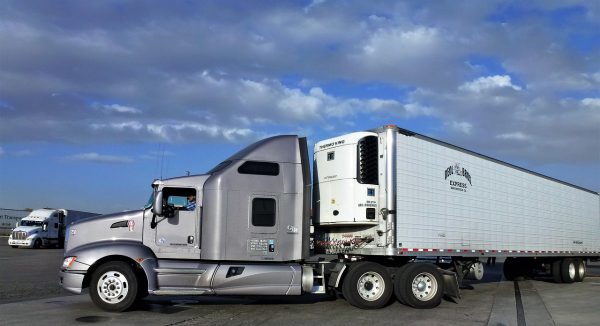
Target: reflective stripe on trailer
494, 251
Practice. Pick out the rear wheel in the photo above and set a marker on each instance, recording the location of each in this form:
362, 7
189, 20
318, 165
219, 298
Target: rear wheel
398, 284
581, 270
568, 270
420, 286
114, 286
367, 285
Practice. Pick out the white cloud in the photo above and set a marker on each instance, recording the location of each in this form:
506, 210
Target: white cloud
592, 103
99, 158
514, 136
483, 84
460, 126
117, 108
119, 126
190, 132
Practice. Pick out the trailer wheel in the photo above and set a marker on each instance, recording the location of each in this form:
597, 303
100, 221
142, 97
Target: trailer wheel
568, 270
556, 272
398, 283
581, 270
420, 286
114, 286
367, 285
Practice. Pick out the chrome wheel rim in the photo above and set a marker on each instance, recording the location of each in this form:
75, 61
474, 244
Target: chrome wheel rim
424, 286
572, 271
581, 269
370, 286
112, 287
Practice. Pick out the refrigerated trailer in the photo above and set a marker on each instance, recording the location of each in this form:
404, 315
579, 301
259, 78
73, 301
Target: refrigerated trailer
395, 212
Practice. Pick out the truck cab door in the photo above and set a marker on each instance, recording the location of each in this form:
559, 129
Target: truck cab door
176, 233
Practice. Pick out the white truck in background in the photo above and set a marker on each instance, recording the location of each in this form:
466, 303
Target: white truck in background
44, 228
396, 213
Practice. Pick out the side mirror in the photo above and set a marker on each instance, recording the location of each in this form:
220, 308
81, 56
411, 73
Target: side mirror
17, 224
45, 226
158, 203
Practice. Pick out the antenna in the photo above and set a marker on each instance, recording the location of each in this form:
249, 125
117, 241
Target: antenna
162, 159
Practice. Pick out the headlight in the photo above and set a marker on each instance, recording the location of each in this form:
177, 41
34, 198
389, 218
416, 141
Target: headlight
68, 261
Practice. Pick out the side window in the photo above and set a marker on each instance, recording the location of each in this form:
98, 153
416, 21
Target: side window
263, 211
181, 199
259, 168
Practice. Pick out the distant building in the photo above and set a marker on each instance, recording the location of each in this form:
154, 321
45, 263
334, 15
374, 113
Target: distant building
9, 217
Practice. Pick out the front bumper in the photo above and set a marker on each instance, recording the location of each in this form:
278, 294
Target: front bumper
72, 282
24, 243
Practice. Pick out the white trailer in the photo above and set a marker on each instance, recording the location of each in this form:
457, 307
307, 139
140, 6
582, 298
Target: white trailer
44, 227
445, 199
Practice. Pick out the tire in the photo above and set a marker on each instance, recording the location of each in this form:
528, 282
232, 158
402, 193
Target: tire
114, 286
37, 244
15, 246
398, 284
367, 285
421, 286
581, 270
556, 272
568, 270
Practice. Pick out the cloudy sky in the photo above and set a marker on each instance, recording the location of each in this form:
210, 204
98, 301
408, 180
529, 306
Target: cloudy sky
98, 98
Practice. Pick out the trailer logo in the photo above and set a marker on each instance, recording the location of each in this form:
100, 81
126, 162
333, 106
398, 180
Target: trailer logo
458, 170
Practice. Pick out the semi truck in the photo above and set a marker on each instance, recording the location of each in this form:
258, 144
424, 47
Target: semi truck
387, 213
44, 227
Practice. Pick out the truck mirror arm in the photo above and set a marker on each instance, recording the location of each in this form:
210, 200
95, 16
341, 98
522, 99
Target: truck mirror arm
153, 222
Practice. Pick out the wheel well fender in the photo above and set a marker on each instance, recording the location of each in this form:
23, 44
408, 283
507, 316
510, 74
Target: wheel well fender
141, 259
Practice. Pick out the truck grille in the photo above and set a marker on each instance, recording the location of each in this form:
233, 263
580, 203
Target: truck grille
19, 235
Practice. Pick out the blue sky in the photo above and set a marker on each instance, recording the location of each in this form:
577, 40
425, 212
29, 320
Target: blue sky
99, 98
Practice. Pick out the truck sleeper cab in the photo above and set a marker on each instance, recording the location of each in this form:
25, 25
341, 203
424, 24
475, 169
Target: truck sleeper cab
247, 233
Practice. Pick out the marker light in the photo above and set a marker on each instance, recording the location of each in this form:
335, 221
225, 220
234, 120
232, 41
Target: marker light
68, 261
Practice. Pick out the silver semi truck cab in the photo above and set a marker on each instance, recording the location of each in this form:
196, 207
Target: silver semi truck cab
242, 228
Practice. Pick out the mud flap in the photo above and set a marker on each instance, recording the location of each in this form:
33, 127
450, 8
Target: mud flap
451, 289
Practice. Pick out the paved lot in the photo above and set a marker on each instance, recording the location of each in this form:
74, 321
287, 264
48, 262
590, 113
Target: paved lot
29, 294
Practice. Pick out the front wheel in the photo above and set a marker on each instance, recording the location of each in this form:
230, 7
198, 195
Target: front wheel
15, 246
114, 286
37, 244
367, 285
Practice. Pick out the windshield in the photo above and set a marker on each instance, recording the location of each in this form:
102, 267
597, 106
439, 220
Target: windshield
150, 201
31, 223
